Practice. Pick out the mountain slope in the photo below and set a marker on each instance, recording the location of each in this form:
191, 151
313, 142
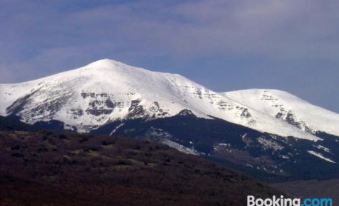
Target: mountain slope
289, 108
107, 90
267, 157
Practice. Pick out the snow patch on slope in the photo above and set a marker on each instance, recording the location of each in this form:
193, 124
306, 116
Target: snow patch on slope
116, 129
179, 147
325, 149
316, 154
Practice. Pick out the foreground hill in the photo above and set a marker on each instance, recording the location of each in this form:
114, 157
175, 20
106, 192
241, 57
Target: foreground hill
41, 168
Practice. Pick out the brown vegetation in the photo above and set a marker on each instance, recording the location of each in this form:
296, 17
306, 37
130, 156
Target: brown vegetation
52, 169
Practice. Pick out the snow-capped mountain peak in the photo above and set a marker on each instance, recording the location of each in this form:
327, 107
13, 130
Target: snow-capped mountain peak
289, 108
108, 90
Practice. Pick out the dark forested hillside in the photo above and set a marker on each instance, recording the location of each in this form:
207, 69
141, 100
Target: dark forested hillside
42, 168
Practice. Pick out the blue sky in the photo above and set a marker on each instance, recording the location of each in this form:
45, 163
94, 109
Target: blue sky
225, 45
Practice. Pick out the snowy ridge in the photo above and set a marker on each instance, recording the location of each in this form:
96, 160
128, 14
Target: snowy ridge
289, 108
107, 90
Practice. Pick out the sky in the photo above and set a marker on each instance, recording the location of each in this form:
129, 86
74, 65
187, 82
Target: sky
225, 45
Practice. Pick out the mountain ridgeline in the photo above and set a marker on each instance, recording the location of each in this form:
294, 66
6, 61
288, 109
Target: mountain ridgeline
270, 134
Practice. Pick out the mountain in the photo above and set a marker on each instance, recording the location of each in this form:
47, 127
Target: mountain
266, 133
107, 90
44, 168
289, 108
